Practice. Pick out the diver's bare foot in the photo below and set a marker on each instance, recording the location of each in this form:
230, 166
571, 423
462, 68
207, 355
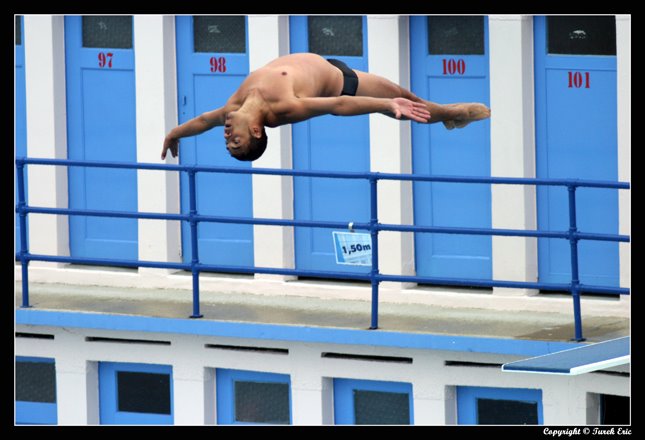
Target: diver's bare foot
467, 113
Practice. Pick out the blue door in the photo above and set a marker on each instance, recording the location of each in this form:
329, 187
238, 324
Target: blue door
36, 391
20, 110
253, 398
212, 62
101, 126
449, 63
135, 394
371, 402
576, 133
330, 143
499, 406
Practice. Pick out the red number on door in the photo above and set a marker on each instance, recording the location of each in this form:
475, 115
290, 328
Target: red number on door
105, 59
450, 67
576, 80
218, 64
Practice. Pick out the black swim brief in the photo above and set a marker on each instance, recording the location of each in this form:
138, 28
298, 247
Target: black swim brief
350, 79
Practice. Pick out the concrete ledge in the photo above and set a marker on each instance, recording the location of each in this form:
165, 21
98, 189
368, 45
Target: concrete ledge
309, 319
442, 296
286, 333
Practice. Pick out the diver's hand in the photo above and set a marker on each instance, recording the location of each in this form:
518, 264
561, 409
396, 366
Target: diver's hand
172, 144
404, 109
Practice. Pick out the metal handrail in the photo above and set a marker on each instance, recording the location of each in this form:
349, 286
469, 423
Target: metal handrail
374, 276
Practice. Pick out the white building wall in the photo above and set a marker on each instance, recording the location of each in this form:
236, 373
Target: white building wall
391, 145
566, 400
272, 195
156, 115
46, 132
512, 147
624, 116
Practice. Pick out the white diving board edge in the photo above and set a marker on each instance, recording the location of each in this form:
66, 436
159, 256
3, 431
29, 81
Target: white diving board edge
577, 360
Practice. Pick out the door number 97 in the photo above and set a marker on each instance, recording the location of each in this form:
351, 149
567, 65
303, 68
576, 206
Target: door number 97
105, 59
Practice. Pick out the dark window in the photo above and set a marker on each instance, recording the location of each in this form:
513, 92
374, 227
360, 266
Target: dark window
262, 402
381, 408
219, 34
143, 392
18, 30
341, 36
449, 35
35, 382
107, 31
614, 410
506, 412
581, 35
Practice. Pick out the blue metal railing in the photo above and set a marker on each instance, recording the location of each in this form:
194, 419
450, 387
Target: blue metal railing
374, 276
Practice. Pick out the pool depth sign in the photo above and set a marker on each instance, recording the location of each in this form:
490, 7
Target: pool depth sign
353, 248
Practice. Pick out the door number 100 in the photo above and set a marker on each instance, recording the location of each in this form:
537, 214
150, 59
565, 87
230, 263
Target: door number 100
578, 80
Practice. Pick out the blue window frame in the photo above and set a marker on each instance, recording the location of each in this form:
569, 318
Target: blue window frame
134, 394
36, 391
499, 406
251, 397
370, 402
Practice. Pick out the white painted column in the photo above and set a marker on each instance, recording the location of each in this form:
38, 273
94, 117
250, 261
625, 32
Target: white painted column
512, 147
311, 394
391, 146
312, 401
194, 402
564, 402
431, 395
624, 68
46, 132
272, 195
156, 104
77, 383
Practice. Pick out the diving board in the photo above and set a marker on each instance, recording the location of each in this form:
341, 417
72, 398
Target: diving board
577, 360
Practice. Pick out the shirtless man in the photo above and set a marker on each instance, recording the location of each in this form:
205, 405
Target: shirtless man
300, 86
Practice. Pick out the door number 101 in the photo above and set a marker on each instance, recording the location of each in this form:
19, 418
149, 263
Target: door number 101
578, 80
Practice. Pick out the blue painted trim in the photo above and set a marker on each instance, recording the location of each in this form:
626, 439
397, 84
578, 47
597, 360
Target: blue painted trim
226, 392
344, 413
36, 413
108, 398
467, 400
289, 333
39, 360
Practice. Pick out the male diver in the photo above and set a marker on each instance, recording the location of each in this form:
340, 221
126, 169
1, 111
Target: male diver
300, 86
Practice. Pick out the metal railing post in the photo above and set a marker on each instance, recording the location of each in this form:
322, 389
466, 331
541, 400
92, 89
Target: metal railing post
22, 219
374, 235
575, 277
194, 263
